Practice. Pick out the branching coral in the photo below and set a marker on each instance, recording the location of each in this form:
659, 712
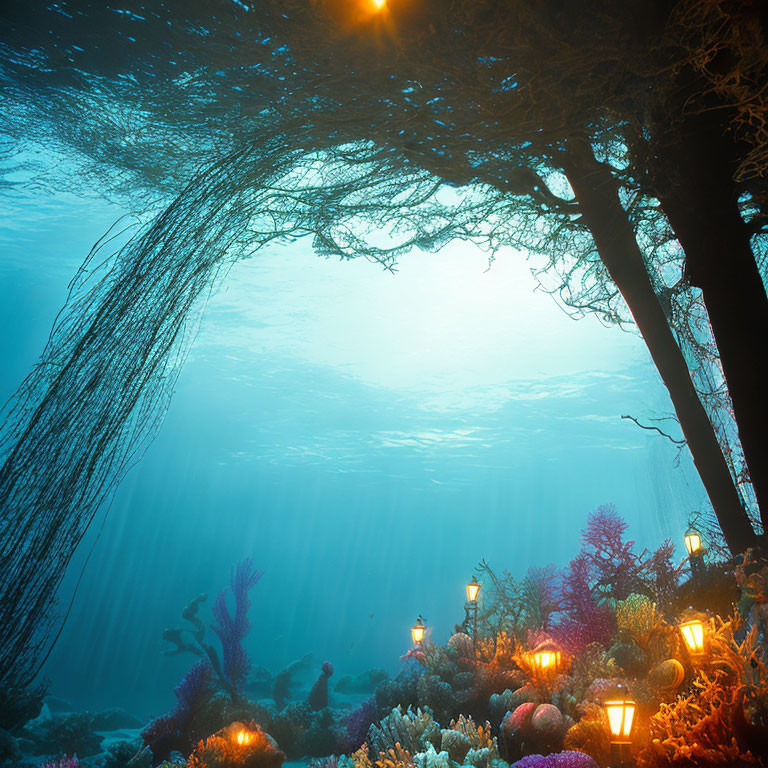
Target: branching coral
395, 757
411, 729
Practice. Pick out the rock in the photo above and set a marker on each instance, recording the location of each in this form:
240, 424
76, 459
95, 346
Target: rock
114, 719
667, 675
463, 645
9, 749
456, 744
70, 734
365, 682
547, 723
121, 753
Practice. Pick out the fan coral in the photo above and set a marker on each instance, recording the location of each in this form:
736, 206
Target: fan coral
232, 630
412, 730
239, 745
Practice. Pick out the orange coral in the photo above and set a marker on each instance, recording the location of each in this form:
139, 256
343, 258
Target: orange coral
239, 745
395, 758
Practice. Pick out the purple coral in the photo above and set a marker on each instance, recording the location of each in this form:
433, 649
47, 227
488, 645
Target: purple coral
232, 630
616, 565
169, 733
585, 621
559, 760
356, 726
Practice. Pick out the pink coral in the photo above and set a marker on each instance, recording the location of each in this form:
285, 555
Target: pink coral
585, 621
63, 762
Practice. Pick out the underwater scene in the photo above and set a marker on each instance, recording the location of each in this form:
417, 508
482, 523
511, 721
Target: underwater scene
383, 384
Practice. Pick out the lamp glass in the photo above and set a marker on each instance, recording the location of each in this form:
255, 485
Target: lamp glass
417, 633
473, 588
621, 718
693, 634
547, 659
693, 542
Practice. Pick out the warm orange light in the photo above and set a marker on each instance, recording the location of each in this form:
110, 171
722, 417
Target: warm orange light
621, 718
693, 634
418, 630
546, 660
243, 737
473, 589
693, 541
378, 4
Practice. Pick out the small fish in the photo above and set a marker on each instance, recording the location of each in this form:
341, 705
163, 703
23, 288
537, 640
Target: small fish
371, 616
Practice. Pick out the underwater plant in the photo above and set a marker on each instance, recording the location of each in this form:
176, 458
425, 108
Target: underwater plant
232, 630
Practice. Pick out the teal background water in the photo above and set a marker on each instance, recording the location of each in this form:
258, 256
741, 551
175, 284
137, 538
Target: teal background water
365, 437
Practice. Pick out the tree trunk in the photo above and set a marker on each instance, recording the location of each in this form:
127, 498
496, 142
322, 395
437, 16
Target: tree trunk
596, 191
694, 183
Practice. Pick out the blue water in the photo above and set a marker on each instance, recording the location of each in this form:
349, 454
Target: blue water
365, 437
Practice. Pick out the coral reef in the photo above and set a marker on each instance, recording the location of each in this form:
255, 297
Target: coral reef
72, 734
550, 650
560, 760
353, 729
239, 745
412, 729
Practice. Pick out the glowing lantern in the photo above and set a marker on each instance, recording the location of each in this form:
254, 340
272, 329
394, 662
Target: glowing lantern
621, 718
547, 657
693, 542
378, 4
418, 630
473, 589
693, 634
243, 737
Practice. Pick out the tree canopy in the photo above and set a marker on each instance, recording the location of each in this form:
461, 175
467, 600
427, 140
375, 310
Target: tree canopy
550, 127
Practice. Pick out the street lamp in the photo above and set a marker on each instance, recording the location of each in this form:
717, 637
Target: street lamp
695, 551
473, 589
418, 630
547, 657
695, 634
620, 710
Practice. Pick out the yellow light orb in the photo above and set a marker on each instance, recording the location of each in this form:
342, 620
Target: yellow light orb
693, 634
473, 589
621, 719
693, 541
378, 4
